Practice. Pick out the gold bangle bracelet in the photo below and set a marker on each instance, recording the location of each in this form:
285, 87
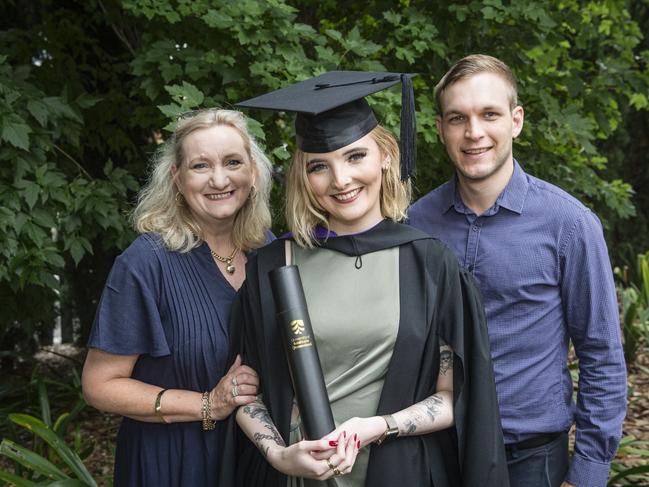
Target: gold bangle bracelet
206, 412
158, 406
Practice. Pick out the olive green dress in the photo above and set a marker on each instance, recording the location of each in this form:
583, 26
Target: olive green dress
354, 309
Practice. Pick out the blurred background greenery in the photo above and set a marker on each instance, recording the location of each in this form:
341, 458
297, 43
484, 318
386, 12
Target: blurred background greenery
89, 89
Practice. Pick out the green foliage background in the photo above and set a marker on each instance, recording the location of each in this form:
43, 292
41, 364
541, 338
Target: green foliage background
87, 89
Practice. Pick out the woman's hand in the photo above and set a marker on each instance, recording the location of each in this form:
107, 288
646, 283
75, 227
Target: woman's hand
237, 387
364, 430
319, 459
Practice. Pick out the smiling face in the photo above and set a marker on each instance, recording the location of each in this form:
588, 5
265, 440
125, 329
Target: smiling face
346, 184
215, 176
478, 125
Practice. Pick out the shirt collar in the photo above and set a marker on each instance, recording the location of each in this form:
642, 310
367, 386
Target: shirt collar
512, 197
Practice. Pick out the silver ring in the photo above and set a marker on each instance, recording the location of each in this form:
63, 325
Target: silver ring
235, 391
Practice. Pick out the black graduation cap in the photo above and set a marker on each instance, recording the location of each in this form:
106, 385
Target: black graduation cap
332, 111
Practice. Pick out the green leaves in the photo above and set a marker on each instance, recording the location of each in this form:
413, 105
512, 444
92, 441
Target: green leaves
63, 465
15, 131
30, 460
67, 455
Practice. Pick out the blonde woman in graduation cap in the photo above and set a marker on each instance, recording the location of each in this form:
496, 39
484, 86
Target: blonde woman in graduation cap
399, 326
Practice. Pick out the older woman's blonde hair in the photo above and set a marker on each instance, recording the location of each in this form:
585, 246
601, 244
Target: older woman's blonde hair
303, 213
162, 210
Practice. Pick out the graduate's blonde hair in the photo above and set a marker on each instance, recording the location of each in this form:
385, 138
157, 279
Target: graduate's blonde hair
303, 213
162, 209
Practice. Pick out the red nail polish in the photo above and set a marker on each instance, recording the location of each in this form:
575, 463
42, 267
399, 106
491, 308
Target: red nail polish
358, 445
333, 443
354, 436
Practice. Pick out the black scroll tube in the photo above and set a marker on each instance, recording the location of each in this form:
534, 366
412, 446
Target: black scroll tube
301, 352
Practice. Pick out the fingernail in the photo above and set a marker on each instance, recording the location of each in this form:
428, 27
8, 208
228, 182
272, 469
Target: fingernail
333, 443
358, 445
354, 436
344, 434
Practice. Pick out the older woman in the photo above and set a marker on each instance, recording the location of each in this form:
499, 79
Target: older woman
399, 326
159, 344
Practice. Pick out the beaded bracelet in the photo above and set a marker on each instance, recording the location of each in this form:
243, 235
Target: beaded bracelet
206, 411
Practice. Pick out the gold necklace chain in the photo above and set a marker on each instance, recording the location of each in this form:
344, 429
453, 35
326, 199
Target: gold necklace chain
226, 260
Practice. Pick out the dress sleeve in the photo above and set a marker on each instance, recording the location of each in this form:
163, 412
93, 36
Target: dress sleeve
463, 325
128, 320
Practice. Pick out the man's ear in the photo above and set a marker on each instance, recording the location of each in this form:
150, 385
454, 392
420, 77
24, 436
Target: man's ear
518, 117
438, 124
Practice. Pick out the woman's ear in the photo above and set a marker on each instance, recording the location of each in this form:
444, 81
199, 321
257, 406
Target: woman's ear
386, 163
175, 175
255, 172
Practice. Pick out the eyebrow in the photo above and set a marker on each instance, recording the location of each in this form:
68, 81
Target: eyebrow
234, 154
488, 108
452, 112
206, 157
355, 149
346, 153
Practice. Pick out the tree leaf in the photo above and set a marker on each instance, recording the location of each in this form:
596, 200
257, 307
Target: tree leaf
39, 111
77, 251
16, 132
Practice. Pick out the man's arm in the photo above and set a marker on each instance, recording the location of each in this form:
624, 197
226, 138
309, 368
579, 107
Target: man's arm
591, 310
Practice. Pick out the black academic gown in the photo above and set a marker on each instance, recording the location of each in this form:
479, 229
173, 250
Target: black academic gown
438, 300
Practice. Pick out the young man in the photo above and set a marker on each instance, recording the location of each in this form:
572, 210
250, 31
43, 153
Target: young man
540, 259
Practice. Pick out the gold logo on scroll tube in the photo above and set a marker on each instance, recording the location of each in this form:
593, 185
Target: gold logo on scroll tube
297, 326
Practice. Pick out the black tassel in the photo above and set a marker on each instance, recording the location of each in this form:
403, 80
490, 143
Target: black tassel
408, 129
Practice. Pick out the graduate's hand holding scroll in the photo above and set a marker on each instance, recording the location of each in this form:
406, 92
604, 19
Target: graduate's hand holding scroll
315, 459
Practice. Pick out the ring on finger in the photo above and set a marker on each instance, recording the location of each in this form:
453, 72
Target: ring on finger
330, 465
234, 381
235, 391
337, 472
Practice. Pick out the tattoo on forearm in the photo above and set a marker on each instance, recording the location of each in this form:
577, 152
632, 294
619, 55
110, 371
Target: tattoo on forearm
411, 426
433, 405
258, 441
258, 411
427, 410
445, 360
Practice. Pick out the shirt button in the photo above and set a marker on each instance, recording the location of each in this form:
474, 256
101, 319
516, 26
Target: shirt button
474, 228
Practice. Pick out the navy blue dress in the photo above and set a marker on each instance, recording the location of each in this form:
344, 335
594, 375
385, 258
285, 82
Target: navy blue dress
172, 309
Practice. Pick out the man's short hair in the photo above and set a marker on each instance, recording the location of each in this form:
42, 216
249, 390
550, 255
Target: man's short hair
470, 66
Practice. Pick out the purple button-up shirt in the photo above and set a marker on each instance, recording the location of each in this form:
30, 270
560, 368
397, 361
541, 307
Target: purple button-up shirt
541, 262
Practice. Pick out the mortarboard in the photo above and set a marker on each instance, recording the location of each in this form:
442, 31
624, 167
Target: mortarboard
332, 111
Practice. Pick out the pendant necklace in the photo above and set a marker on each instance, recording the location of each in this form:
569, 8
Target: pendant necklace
226, 260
